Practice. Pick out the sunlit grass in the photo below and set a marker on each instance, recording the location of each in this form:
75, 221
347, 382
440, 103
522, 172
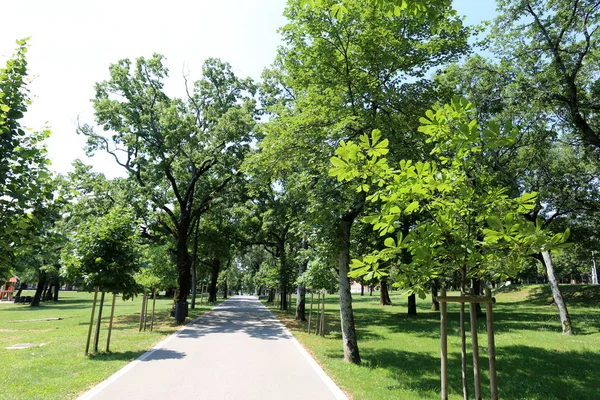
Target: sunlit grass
401, 356
56, 368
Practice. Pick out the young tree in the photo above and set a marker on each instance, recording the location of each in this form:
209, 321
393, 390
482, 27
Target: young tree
469, 223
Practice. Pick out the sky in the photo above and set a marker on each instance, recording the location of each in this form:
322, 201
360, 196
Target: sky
73, 42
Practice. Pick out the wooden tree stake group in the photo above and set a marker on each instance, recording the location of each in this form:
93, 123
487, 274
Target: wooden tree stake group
320, 324
488, 300
98, 323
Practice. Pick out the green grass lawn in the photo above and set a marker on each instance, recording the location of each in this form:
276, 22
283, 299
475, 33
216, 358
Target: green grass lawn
57, 367
401, 356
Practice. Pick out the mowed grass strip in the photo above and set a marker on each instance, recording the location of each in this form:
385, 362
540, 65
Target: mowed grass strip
401, 355
56, 367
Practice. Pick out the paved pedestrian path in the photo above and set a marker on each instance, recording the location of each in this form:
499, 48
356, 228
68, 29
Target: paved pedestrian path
239, 350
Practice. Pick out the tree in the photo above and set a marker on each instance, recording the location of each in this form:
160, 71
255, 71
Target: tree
335, 79
553, 45
107, 253
469, 224
182, 153
23, 162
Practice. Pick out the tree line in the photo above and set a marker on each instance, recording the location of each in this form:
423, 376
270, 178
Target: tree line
383, 145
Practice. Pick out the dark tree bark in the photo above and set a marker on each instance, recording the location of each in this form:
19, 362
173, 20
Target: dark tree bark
56, 290
350, 343
476, 285
225, 289
183, 263
412, 305
384, 295
362, 288
271, 298
283, 299
40, 288
435, 305
214, 275
195, 264
48, 293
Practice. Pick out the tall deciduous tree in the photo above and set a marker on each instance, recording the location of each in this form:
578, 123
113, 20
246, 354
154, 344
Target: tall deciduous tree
336, 79
183, 153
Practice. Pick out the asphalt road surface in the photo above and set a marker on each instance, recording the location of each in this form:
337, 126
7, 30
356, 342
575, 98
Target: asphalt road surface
238, 350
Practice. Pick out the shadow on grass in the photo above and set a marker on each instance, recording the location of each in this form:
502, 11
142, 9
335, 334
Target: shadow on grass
523, 372
575, 295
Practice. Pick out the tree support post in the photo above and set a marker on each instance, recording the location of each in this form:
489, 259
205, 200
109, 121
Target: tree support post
97, 335
491, 346
153, 308
142, 311
310, 311
444, 346
463, 352
110, 324
89, 336
475, 348
323, 317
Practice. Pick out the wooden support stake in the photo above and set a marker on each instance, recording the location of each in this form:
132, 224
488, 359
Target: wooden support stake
153, 308
444, 346
318, 313
323, 317
146, 312
475, 348
89, 336
463, 352
97, 335
142, 311
110, 324
310, 312
491, 346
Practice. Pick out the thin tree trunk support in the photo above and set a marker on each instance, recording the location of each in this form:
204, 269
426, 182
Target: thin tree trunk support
89, 336
110, 324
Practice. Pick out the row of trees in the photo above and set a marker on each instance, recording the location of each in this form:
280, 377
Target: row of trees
355, 155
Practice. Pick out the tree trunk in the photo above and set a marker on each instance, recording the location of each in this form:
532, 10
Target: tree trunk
384, 296
476, 285
271, 295
371, 289
214, 275
362, 288
301, 296
283, 273
183, 262
195, 264
38, 291
225, 289
435, 305
412, 305
48, 295
56, 289
565, 318
283, 299
350, 344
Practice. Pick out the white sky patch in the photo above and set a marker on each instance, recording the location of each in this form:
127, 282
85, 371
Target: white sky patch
73, 42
